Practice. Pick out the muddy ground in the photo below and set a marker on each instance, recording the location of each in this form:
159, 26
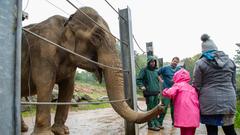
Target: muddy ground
108, 122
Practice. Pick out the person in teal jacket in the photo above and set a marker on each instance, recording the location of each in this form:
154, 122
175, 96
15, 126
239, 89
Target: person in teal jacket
166, 78
148, 81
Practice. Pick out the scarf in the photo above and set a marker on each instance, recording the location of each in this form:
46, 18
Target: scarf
209, 55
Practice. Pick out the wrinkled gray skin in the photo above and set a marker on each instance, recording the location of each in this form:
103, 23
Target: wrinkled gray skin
51, 65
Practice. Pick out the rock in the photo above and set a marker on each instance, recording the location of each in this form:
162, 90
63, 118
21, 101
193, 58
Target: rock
86, 97
74, 101
103, 98
54, 97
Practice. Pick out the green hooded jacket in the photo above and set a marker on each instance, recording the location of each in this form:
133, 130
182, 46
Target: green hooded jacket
148, 77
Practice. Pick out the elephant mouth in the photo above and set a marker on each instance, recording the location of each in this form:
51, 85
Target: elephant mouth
97, 71
99, 74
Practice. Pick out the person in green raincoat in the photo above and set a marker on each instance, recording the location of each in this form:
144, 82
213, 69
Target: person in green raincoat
148, 81
166, 74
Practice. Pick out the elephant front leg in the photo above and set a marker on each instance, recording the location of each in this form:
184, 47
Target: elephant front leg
43, 114
66, 89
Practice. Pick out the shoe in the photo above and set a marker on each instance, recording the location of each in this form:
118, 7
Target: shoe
161, 127
154, 128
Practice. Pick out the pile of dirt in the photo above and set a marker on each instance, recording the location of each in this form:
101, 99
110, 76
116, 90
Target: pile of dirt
83, 89
88, 89
82, 93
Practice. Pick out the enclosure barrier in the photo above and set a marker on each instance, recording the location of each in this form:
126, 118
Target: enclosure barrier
128, 62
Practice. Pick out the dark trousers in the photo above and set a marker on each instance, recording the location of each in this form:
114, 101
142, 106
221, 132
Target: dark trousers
187, 130
152, 101
166, 102
213, 130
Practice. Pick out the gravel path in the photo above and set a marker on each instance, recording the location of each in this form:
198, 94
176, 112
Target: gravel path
108, 122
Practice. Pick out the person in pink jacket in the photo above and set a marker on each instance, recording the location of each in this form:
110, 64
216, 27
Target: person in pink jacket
185, 101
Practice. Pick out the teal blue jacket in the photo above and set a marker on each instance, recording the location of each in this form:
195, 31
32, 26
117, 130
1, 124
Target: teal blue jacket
167, 73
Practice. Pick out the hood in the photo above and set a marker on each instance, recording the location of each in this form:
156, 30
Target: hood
220, 59
181, 75
150, 58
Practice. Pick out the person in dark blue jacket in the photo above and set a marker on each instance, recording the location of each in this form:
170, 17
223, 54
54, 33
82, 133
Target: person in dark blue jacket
166, 77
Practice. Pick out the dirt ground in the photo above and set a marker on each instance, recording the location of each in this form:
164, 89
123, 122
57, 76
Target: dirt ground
108, 122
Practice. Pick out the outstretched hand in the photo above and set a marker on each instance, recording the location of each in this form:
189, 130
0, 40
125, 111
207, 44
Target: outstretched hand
161, 107
143, 88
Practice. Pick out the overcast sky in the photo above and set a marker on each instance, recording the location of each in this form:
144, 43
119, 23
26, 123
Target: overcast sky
174, 26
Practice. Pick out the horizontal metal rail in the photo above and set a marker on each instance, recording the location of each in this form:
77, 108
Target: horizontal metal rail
71, 103
54, 44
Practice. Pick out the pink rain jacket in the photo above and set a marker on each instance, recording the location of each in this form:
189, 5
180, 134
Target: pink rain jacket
185, 100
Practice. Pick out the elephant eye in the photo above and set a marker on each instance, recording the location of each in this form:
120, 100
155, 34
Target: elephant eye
98, 36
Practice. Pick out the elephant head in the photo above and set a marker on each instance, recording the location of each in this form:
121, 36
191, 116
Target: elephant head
84, 37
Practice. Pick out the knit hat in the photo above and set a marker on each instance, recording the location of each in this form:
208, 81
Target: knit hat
207, 43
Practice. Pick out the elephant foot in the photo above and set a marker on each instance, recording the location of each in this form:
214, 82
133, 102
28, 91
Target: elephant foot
60, 129
24, 127
42, 132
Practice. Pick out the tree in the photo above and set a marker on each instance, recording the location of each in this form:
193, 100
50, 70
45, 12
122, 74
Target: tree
190, 62
86, 77
236, 57
237, 61
140, 62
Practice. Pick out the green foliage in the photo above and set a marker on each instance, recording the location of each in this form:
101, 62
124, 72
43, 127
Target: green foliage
87, 77
166, 63
92, 106
30, 112
238, 85
190, 62
237, 61
141, 62
118, 48
237, 57
237, 116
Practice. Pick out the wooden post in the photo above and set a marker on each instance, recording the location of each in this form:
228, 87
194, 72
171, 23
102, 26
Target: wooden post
149, 47
128, 64
10, 65
160, 61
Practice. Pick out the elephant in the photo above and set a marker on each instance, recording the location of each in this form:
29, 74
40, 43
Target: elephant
44, 65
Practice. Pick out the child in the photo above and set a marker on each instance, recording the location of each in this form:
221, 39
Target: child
185, 101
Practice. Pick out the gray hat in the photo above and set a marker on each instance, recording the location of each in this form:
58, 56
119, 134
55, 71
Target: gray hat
207, 43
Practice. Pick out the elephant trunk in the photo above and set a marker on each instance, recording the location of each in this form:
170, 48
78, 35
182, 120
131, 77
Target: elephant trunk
114, 85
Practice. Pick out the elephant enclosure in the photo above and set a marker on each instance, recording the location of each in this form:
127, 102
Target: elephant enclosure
108, 122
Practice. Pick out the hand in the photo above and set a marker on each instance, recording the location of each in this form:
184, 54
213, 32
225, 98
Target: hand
143, 88
161, 108
161, 80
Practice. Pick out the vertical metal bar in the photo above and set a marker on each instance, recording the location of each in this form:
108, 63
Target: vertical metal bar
10, 55
128, 64
160, 61
149, 47
18, 45
160, 64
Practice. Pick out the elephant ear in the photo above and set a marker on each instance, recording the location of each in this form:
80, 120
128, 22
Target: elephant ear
68, 38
